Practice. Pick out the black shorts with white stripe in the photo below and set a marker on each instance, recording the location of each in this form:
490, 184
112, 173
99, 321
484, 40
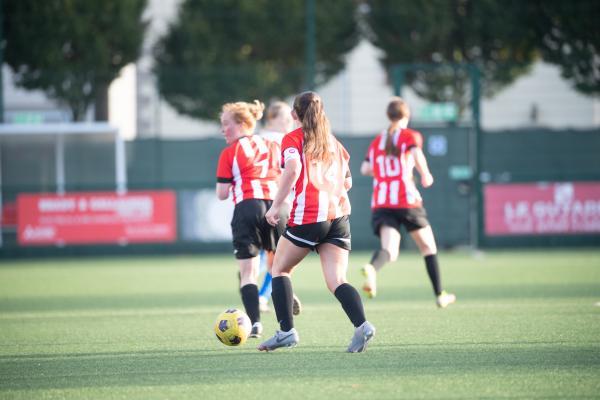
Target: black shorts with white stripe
336, 232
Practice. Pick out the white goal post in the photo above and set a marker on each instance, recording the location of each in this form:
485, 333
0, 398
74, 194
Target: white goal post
57, 132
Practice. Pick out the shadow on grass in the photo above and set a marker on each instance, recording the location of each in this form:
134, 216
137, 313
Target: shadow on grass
166, 368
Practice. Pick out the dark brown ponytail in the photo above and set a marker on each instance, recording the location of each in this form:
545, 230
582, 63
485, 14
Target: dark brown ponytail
315, 125
397, 109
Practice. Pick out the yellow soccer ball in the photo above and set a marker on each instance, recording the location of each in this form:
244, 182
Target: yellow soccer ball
233, 327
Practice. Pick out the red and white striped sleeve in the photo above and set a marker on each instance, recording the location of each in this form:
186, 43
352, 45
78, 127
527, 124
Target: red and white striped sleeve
224, 167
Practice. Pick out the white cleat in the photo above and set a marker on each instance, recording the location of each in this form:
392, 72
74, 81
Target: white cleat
362, 335
370, 286
280, 339
257, 330
445, 299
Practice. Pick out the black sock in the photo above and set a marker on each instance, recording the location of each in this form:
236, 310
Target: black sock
283, 298
433, 271
351, 303
380, 258
250, 299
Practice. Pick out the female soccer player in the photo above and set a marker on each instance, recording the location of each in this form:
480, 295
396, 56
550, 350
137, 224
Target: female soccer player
396, 201
316, 166
249, 168
278, 122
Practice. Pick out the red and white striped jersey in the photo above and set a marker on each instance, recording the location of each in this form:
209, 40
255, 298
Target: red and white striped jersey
319, 193
251, 165
393, 180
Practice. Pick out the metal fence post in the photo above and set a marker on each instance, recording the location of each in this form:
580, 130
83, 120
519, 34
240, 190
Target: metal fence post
310, 44
398, 79
477, 229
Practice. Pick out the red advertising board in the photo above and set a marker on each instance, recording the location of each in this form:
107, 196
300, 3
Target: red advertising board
96, 218
542, 209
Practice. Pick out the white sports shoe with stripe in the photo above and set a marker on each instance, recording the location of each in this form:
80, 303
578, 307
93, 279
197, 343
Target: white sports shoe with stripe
362, 335
280, 339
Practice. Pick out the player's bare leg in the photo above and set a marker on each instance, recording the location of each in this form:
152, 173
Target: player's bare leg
249, 270
390, 245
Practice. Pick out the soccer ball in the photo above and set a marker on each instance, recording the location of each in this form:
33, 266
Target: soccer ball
233, 327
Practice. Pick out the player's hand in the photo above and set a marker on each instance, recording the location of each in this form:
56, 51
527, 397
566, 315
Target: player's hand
426, 180
272, 216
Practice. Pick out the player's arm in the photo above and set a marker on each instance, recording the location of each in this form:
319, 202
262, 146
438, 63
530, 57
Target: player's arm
348, 181
224, 176
346, 167
422, 167
291, 172
222, 190
366, 168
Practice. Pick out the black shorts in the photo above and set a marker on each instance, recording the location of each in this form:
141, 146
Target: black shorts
251, 231
411, 218
336, 232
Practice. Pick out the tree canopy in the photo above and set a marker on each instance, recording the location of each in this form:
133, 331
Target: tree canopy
502, 38
230, 50
71, 50
450, 33
567, 34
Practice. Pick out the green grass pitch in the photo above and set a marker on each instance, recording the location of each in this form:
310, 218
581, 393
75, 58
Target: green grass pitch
526, 326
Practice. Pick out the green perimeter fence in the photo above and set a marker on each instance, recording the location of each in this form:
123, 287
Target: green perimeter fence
188, 166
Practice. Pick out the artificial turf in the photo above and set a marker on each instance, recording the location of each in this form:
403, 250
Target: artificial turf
526, 326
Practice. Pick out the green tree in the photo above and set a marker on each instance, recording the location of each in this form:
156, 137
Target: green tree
72, 49
230, 50
567, 34
451, 32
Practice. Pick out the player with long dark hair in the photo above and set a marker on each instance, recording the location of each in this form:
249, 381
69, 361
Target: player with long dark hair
391, 158
316, 168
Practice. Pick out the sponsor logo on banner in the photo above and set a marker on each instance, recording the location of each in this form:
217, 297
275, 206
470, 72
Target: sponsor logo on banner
96, 218
545, 208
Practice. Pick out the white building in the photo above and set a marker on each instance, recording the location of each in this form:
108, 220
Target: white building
355, 99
